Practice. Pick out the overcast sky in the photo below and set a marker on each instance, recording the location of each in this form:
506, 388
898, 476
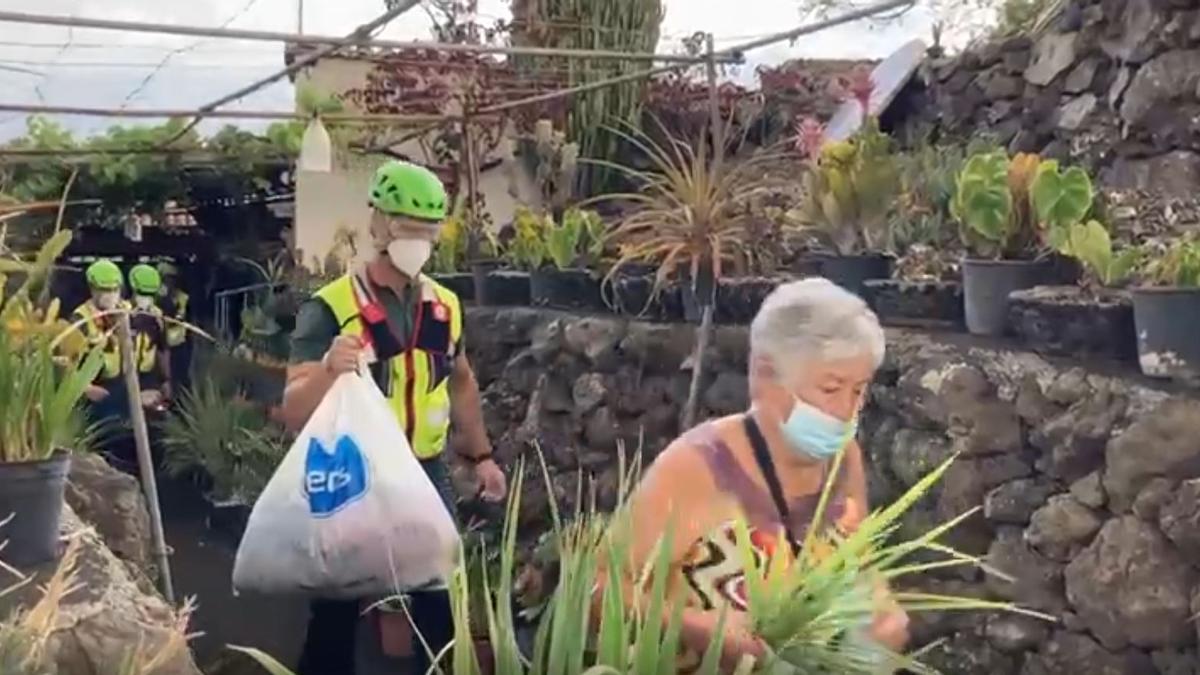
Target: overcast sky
108, 69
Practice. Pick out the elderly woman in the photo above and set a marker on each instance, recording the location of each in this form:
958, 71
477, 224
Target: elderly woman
813, 351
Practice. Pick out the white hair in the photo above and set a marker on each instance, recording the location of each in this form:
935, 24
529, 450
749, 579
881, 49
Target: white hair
814, 320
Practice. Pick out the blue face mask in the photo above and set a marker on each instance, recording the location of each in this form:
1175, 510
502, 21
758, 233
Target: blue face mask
816, 433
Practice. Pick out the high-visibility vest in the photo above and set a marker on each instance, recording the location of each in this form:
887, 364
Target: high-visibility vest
177, 334
100, 332
417, 383
145, 349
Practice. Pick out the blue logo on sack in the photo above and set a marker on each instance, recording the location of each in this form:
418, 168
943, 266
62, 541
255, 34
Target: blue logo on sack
332, 480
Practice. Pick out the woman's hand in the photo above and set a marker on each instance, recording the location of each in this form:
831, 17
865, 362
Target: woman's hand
890, 624
700, 629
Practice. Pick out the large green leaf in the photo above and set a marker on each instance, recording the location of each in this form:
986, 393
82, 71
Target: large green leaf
1061, 198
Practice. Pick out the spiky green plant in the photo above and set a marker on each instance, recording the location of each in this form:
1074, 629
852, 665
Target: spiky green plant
811, 610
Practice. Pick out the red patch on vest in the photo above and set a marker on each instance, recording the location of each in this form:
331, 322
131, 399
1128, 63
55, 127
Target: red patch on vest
441, 312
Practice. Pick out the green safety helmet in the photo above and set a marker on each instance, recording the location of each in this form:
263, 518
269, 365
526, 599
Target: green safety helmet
104, 275
166, 269
405, 189
144, 280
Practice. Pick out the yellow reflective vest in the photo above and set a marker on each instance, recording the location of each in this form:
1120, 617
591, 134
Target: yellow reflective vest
176, 333
416, 381
100, 332
145, 349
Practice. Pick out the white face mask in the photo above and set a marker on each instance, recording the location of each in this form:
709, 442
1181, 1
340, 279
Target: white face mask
143, 301
107, 300
409, 255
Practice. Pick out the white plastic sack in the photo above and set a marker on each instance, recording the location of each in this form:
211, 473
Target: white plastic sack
349, 512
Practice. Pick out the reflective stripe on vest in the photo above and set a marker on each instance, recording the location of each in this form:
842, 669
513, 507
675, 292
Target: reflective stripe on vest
177, 334
98, 336
422, 405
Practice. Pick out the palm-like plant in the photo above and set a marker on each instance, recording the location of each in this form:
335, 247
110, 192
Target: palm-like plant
686, 215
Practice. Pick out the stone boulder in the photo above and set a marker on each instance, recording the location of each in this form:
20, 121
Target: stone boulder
1168, 78
112, 503
1062, 527
1163, 442
1053, 54
108, 617
1130, 586
1179, 518
1074, 654
1014, 503
1033, 581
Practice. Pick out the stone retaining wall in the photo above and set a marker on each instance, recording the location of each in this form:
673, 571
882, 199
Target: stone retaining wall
1087, 481
1112, 83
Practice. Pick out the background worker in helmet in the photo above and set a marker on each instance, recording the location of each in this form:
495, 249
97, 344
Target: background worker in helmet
173, 302
415, 338
107, 394
151, 352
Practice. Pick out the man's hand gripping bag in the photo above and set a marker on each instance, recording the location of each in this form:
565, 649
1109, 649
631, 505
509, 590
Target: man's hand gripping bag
349, 512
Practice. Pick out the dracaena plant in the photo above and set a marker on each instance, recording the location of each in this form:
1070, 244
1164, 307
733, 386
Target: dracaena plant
686, 216
993, 204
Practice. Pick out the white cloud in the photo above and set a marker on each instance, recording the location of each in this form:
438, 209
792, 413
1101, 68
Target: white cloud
81, 66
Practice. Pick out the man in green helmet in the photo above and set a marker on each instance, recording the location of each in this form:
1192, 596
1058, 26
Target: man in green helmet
107, 393
151, 353
174, 302
409, 328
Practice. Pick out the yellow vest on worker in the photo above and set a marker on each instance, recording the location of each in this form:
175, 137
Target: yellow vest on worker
420, 391
99, 336
145, 351
176, 333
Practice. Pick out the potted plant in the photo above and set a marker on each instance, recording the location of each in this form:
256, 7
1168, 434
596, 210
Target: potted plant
1166, 309
227, 445
450, 258
925, 290
993, 207
1095, 316
851, 188
522, 253
571, 247
45, 368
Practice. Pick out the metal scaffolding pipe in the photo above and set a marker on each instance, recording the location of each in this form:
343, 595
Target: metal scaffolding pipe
326, 40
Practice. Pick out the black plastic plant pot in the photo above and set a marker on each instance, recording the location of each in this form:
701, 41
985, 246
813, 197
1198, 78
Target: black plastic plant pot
986, 287
479, 271
228, 517
1168, 332
634, 297
574, 289
461, 284
504, 288
738, 300
852, 271
31, 493
1072, 321
916, 304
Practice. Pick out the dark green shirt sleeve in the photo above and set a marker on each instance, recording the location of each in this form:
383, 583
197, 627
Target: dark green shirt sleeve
316, 327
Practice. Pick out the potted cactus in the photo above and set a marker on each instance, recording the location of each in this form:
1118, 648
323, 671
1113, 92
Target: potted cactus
993, 206
1166, 308
572, 247
1095, 316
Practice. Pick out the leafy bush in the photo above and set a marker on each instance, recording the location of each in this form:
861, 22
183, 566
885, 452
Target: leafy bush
1006, 206
226, 437
1061, 199
527, 248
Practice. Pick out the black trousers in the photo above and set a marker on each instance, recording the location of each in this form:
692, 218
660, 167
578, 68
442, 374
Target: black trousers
333, 625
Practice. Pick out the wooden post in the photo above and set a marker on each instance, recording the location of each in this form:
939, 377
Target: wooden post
141, 439
471, 180
707, 286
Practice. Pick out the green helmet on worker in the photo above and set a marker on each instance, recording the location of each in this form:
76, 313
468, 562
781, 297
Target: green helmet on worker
103, 275
144, 280
406, 189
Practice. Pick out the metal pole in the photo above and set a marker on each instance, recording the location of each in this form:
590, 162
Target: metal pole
855, 15
319, 40
141, 438
300, 17
714, 103
232, 114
